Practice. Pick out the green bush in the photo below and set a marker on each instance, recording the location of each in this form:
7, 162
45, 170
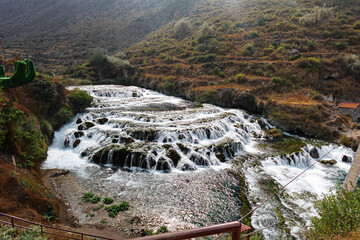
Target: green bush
63, 116
124, 206
163, 229
357, 25
115, 209
79, 100
108, 200
340, 45
278, 80
248, 49
7, 233
217, 71
95, 199
311, 64
240, 78
339, 213
87, 196
252, 35
202, 59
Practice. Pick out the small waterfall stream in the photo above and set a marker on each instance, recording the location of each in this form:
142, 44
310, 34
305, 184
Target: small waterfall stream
168, 156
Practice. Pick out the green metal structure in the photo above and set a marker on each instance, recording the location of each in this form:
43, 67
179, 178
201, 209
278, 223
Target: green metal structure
24, 73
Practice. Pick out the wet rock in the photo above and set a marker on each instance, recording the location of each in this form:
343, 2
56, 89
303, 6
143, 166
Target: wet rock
181, 136
76, 143
60, 173
346, 159
89, 125
67, 142
102, 121
174, 156
199, 160
78, 121
79, 134
163, 165
182, 147
167, 139
188, 167
261, 123
314, 153
220, 156
147, 135
328, 162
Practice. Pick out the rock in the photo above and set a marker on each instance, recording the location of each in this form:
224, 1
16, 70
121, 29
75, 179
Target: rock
328, 162
67, 142
89, 125
261, 123
188, 167
174, 156
76, 143
314, 153
220, 156
163, 165
346, 159
79, 134
78, 121
199, 160
102, 121
245, 101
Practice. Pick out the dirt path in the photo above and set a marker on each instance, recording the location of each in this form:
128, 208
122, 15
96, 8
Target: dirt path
67, 218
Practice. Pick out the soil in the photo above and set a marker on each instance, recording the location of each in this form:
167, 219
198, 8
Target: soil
67, 218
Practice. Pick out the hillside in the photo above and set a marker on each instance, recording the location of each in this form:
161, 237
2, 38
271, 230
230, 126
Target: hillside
290, 60
60, 33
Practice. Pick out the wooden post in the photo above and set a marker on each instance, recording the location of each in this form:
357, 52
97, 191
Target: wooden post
236, 235
353, 174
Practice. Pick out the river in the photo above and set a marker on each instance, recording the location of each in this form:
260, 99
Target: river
168, 158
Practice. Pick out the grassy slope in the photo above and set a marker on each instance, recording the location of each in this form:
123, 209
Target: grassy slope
61, 33
256, 38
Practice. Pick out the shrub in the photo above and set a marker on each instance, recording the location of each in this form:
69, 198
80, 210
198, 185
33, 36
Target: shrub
182, 29
124, 206
311, 64
115, 209
64, 115
95, 199
252, 35
345, 140
339, 213
340, 45
108, 200
278, 80
202, 58
317, 15
169, 60
87, 196
352, 63
79, 100
163, 229
357, 25
217, 71
248, 49
240, 78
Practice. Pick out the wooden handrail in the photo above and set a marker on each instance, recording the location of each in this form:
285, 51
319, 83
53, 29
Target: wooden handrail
236, 228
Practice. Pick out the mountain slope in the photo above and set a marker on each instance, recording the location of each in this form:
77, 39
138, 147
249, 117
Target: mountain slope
65, 31
286, 59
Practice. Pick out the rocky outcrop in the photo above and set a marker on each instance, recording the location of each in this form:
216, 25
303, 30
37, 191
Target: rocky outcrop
328, 162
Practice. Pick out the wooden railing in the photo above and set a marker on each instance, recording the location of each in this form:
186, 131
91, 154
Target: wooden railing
19, 223
236, 229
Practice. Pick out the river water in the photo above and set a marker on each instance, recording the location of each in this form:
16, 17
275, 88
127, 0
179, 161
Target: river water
168, 158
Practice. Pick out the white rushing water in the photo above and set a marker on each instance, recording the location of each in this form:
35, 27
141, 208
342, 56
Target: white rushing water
174, 153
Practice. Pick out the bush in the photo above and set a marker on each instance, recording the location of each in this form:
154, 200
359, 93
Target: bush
108, 200
182, 29
352, 63
95, 199
248, 49
357, 25
7, 233
339, 213
217, 71
202, 58
312, 64
278, 80
163, 229
63, 116
87, 197
79, 100
345, 140
252, 35
240, 78
115, 209
318, 15
340, 45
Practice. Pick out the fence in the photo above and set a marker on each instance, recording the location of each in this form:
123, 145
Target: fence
19, 222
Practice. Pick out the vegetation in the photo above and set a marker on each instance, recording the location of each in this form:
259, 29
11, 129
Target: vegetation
108, 200
115, 209
7, 233
342, 204
79, 100
163, 229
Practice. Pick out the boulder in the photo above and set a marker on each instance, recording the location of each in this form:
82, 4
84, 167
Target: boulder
163, 165
174, 156
314, 153
102, 121
188, 167
79, 134
220, 156
76, 143
346, 159
328, 162
261, 123
78, 121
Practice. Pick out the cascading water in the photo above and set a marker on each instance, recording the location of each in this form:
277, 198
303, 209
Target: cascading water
147, 134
